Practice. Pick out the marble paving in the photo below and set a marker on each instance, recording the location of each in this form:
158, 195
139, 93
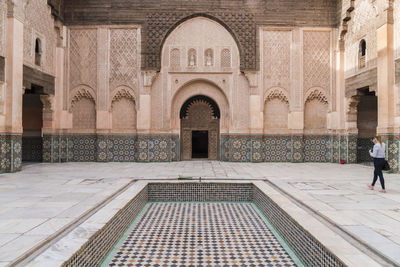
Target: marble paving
42, 199
200, 234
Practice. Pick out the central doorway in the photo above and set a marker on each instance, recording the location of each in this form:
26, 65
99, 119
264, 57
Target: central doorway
200, 117
199, 144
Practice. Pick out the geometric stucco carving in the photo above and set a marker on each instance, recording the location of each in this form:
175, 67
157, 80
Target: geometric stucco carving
123, 93
159, 24
276, 94
81, 93
316, 94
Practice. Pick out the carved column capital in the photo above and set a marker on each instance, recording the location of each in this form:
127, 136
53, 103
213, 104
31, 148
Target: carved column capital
16, 9
60, 33
48, 109
149, 77
48, 102
252, 77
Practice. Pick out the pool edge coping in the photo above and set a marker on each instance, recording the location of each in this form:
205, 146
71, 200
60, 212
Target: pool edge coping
334, 243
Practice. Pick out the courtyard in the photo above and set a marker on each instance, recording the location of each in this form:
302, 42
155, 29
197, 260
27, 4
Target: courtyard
44, 202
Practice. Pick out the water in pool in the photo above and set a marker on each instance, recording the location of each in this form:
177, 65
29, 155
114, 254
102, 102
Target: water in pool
200, 234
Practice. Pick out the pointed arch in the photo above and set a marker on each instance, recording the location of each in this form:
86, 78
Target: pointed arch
276, 111
315, 111
316, 93
81, 91
83, 108
122, 92
276, 92
123, 109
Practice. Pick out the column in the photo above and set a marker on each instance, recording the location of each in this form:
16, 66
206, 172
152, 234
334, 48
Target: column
386, 72
103, 119
12, 126
296, 115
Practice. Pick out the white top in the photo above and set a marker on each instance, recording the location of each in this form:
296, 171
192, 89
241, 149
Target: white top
379, 151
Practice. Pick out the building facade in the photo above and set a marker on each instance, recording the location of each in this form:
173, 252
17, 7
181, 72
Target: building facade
160, 81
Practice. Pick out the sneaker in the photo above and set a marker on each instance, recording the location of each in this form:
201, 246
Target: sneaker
382, 191
371, 187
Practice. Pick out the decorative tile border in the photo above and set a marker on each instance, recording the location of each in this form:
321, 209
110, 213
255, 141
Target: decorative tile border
179, 192
234, 148
115, 148
96, 248
32, 149
10, 153
308, 248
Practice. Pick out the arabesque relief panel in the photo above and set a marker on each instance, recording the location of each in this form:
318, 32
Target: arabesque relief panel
83, 57
316, 60
124, 62
276, 59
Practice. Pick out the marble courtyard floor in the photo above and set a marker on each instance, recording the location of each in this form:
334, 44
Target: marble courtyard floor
44, 200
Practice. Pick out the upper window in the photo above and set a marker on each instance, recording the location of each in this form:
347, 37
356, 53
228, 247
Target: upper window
38, 51
226, 58
362, 53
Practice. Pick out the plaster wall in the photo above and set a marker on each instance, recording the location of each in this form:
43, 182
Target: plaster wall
397, 28
361, 26
3, 17
39, 23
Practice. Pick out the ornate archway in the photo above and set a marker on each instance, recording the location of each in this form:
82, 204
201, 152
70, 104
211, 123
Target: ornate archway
200, 119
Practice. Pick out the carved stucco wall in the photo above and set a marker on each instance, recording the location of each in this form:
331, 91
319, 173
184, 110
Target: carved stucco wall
88, 69
276, 111
124, 114
83, 58
3, 8
315, 110
397, 28
317, 64
224, 84
241, 25
39, 24
276, 59
124, 62
361, 26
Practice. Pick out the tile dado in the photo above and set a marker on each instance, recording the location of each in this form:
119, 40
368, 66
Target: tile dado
117, 148
295, 148
10, 152
234, 148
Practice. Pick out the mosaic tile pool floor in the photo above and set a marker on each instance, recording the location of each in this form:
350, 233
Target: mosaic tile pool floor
200, 234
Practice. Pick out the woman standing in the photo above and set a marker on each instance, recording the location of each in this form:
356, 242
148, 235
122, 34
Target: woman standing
378, 153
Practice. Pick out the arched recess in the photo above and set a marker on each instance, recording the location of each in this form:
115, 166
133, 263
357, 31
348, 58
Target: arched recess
193, 38
200, 87
276, 111
83, 108
315, 111
200, 117
123, 109
204, 15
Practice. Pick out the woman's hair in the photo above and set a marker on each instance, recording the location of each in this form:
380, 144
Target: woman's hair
379, 138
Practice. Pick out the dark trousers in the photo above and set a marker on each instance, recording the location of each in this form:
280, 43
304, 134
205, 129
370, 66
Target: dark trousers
378, 164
